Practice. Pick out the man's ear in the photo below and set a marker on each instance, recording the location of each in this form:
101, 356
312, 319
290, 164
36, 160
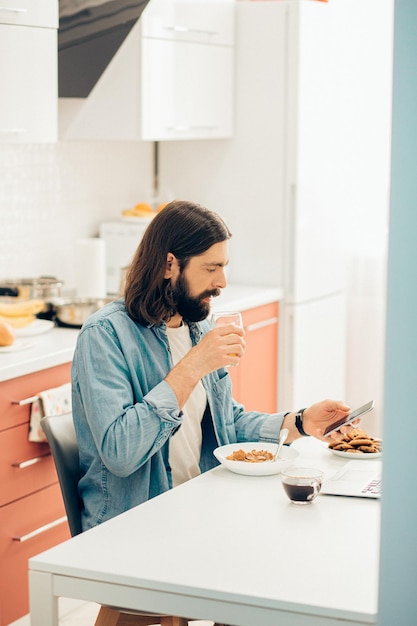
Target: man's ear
169, 265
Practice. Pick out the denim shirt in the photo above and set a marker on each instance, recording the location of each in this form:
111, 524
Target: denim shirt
125, 412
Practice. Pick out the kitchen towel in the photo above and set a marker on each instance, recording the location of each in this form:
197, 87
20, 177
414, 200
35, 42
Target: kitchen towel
90, 268
54, 401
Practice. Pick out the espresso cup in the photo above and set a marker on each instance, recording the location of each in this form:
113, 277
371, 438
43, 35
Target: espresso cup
302, 484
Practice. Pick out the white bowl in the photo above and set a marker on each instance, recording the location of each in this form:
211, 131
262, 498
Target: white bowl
264, 468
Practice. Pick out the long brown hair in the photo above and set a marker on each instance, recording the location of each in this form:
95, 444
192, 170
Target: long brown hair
186, 230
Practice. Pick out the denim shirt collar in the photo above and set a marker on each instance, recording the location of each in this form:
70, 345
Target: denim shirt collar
196, 331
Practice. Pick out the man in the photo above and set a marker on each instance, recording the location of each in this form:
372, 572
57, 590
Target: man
151, 395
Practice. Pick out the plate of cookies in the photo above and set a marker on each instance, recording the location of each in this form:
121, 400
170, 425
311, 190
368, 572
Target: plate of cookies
356, 444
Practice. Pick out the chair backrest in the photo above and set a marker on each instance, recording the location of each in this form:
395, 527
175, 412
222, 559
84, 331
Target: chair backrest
60, 433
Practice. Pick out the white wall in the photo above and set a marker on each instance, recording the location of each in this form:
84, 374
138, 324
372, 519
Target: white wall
50, 195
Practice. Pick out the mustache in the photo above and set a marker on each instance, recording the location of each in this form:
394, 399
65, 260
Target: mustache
213, 293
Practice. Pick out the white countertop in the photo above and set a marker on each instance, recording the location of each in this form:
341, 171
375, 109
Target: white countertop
243, 297
52, 348
56, 346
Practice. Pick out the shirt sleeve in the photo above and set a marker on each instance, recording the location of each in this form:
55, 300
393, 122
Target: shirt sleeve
130, 411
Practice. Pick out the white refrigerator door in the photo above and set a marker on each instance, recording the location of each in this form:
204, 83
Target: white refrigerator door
315, 209
313, 352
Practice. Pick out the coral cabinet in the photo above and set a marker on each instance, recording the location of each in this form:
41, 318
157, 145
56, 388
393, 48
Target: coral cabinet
32, 514
255, 378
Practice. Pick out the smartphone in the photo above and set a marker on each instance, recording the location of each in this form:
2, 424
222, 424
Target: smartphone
351, 417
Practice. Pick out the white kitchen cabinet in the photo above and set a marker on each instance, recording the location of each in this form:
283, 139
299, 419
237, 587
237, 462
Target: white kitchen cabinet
172, 78
185, 89
28, 71
196, 21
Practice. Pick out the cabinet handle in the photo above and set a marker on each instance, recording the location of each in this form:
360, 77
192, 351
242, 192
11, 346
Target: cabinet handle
187, 29
13, 10
25, 401
184, 129
41, 529
12, 131
29, 462
262, 324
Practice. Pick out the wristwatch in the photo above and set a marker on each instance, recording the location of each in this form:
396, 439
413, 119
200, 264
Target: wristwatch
299, 423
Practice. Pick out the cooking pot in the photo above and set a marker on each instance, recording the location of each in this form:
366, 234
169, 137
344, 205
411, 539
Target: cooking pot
42, 288
75, 311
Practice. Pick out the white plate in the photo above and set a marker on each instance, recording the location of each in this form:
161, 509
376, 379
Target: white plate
17, 346
359, 456
37, 327
266, 468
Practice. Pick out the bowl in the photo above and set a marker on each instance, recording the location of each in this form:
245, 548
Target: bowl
264, 468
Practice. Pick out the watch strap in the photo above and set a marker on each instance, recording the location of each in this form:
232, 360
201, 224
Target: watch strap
299, 423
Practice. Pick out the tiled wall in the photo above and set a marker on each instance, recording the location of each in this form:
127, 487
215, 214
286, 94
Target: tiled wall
53, 194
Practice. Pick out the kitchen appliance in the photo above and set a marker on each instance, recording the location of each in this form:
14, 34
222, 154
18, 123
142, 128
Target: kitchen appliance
122, 238
90, 33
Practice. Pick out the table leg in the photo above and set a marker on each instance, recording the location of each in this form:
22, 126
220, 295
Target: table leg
43, 604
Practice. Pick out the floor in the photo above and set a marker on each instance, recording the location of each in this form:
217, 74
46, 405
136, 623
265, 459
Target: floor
76, 613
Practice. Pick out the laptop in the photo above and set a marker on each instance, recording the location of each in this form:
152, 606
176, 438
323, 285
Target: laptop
360, 479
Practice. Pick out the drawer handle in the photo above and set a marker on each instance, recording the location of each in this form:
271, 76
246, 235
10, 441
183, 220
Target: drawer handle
12, 131
13, 10
184, 129
25, 401
29, 462
187, 29
41, 529
262, 324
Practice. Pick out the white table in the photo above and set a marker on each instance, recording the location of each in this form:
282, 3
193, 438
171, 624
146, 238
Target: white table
227, 548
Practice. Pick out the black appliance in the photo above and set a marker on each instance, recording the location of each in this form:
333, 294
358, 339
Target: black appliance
90, 33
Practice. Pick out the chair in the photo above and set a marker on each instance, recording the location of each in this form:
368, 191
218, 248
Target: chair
60, 433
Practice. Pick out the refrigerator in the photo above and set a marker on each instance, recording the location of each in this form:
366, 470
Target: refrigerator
282, 182
313, 314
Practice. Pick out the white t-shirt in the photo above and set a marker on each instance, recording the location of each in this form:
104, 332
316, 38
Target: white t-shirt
185, 444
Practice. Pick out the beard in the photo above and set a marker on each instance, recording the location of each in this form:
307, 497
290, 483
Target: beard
192, 309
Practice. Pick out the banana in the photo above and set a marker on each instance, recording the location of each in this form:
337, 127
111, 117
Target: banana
18, 309
17, 321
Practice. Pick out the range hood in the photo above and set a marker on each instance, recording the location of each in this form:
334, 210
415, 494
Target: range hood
90, 33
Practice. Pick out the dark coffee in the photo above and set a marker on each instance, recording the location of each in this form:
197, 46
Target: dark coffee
299, 493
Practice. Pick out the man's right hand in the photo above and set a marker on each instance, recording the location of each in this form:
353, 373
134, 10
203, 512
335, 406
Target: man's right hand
220, 347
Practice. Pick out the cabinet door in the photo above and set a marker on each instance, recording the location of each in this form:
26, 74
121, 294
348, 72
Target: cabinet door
27, 527
29, 80
43, 13
16, 393
25, 466
187, 90
255, 379
203, 21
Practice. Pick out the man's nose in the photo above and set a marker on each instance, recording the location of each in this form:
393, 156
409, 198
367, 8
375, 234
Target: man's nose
221, 280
